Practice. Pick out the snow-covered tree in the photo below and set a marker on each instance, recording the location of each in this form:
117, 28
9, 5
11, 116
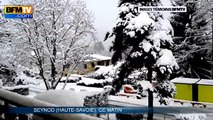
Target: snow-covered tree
193, 33
144, 39
7, 75
7, 54
6, 57
55, 39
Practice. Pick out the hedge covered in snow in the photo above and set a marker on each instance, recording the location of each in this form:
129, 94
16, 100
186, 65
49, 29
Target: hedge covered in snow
94, 82
7, 75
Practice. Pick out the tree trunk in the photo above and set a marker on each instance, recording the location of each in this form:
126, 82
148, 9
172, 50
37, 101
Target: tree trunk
53, 74
54, 52
150, 95
41, 73
45, 81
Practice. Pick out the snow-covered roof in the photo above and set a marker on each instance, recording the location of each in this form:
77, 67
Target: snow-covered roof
185, 80
96, 57
108, 70
206, 82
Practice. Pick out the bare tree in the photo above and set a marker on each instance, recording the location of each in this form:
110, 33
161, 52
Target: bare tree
55, 39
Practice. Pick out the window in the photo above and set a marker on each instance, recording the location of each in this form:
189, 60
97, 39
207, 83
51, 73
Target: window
99, 63
93, 64
107, 63
85, 66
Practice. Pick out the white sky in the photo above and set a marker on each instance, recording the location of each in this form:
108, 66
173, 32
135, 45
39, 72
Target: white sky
3, 2
105, 13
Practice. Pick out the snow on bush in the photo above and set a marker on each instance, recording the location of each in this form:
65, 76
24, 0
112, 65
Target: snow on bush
167, 61
110, 72
126, 8
141, 21
166, 91
88, 81
93, 82
165, 100
28, 72
146, 85
25, 80
105, 72
7, 75
191, 117
96, 100
71, 79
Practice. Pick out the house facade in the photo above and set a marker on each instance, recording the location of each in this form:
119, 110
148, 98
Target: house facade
91, 63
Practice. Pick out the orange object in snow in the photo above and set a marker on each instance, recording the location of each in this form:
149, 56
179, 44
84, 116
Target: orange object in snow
129, 89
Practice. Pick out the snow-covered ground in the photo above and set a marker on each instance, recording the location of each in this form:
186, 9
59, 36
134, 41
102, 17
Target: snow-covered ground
40, 87
84, 91
80, 89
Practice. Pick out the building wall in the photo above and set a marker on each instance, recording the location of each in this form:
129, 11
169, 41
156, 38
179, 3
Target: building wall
205, 93
184, 91
88, 67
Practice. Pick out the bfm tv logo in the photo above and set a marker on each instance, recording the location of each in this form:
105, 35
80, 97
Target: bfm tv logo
18, 12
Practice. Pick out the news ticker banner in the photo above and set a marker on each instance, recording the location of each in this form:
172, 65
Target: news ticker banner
105, 110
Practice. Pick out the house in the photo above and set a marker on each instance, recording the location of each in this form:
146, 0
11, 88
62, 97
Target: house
92, 62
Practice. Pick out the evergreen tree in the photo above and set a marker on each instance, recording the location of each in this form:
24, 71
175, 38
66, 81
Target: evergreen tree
144, 39
194, 44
